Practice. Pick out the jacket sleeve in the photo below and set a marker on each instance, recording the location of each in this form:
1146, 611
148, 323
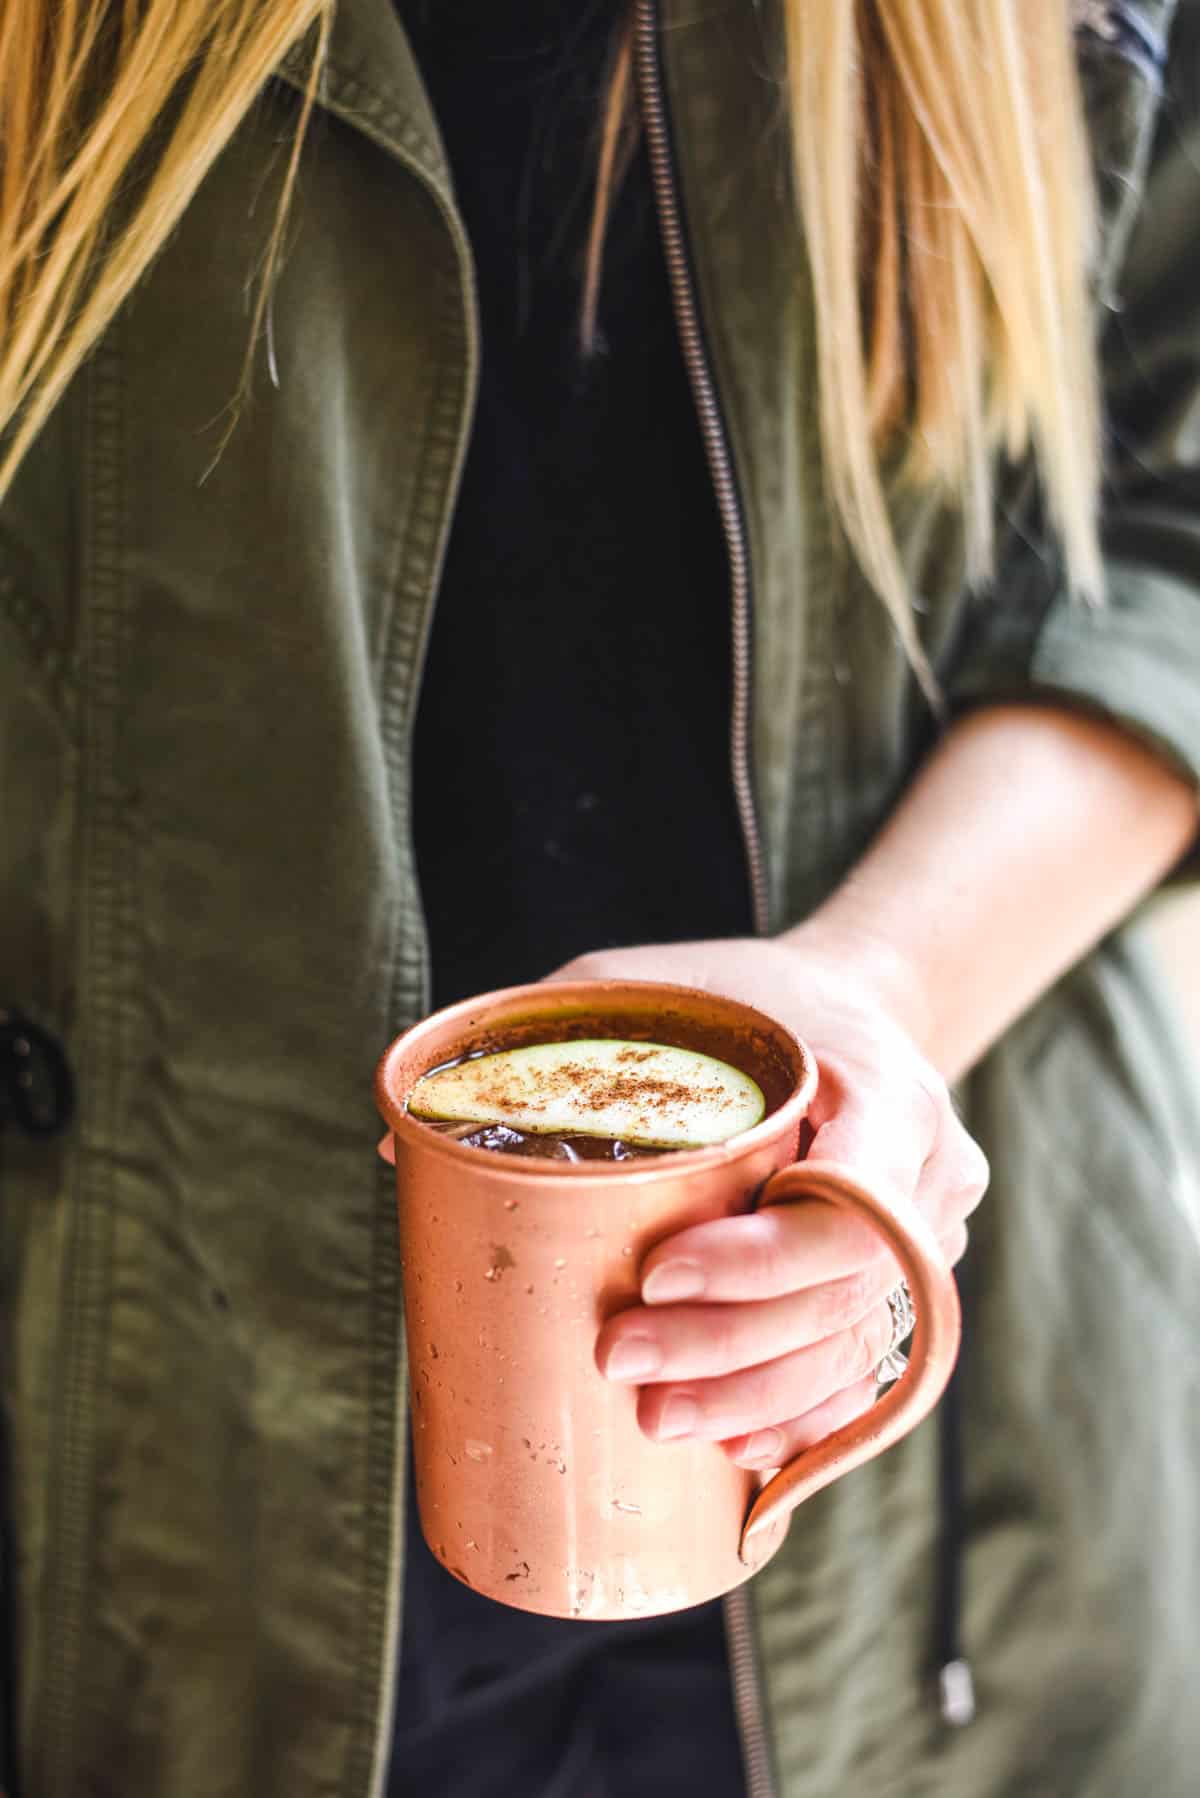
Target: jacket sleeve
1136, 658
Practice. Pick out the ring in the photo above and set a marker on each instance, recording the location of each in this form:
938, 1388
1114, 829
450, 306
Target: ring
904, 1316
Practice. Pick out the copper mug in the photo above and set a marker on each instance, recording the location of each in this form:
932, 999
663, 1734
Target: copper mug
534, 1484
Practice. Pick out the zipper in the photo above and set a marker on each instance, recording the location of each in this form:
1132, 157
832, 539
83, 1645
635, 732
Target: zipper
747, 1694
743, 1658
716, 442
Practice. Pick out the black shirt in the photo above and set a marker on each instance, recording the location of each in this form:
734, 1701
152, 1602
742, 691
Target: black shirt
572, 791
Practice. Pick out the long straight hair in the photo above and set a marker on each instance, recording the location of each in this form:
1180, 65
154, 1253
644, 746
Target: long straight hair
84, 85
941, 178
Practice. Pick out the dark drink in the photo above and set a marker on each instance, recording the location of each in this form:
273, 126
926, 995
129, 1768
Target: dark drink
501, 1139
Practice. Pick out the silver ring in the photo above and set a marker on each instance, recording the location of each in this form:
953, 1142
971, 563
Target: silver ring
904, 1316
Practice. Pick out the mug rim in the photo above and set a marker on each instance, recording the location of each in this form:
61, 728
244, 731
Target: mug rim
645, 1170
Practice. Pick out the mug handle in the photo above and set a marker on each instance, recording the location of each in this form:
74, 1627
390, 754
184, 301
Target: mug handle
935, 1345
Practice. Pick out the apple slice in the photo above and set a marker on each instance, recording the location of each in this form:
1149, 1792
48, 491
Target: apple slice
648, 1094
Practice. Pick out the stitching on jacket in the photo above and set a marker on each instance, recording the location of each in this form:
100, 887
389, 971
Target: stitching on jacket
104, 877
418, 547
357, 95
347, 91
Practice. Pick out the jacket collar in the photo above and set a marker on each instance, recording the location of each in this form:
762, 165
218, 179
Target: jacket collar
371, 82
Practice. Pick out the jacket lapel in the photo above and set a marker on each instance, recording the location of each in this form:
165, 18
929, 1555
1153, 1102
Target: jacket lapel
371, 82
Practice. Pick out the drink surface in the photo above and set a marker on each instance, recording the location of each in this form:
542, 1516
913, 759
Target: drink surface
501, 1139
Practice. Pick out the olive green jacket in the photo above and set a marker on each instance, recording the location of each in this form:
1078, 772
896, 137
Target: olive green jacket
207, 683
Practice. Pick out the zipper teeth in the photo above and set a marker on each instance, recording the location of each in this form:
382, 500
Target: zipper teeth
747, 1696
716, 444
742, 1657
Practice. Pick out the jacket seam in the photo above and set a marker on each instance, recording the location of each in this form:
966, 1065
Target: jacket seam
417, 565
384, 1403
346, 92
102, 898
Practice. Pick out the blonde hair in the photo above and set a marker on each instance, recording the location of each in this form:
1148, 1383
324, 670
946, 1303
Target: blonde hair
84, 86
940, 171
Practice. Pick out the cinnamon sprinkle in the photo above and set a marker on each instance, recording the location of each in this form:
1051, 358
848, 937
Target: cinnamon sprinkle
595, 1089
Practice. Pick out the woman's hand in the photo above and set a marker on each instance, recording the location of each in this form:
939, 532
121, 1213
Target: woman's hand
763, 1332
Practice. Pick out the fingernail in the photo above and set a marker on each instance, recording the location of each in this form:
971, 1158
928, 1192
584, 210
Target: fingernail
679, 1417
673, 1280
764, 1448
634, 1358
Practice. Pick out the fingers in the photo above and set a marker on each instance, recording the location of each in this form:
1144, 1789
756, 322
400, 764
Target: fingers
721, 1372
780, 1249
788, 1248
694, 1342
954, 1244
919, 1149
780, 1442
755, 1398
884, 1132
954, 1178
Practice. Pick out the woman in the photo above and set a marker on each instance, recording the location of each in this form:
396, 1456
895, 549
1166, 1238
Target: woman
954, 772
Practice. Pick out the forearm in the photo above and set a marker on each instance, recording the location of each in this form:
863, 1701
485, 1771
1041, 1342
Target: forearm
1029, 833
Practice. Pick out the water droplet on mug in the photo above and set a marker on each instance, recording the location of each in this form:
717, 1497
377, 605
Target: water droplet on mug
631, 1510
477, 1451
561, 1261
627, 1251
511, 1204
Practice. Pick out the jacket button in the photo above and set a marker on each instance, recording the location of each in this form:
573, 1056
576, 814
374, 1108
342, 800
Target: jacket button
36, 1088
